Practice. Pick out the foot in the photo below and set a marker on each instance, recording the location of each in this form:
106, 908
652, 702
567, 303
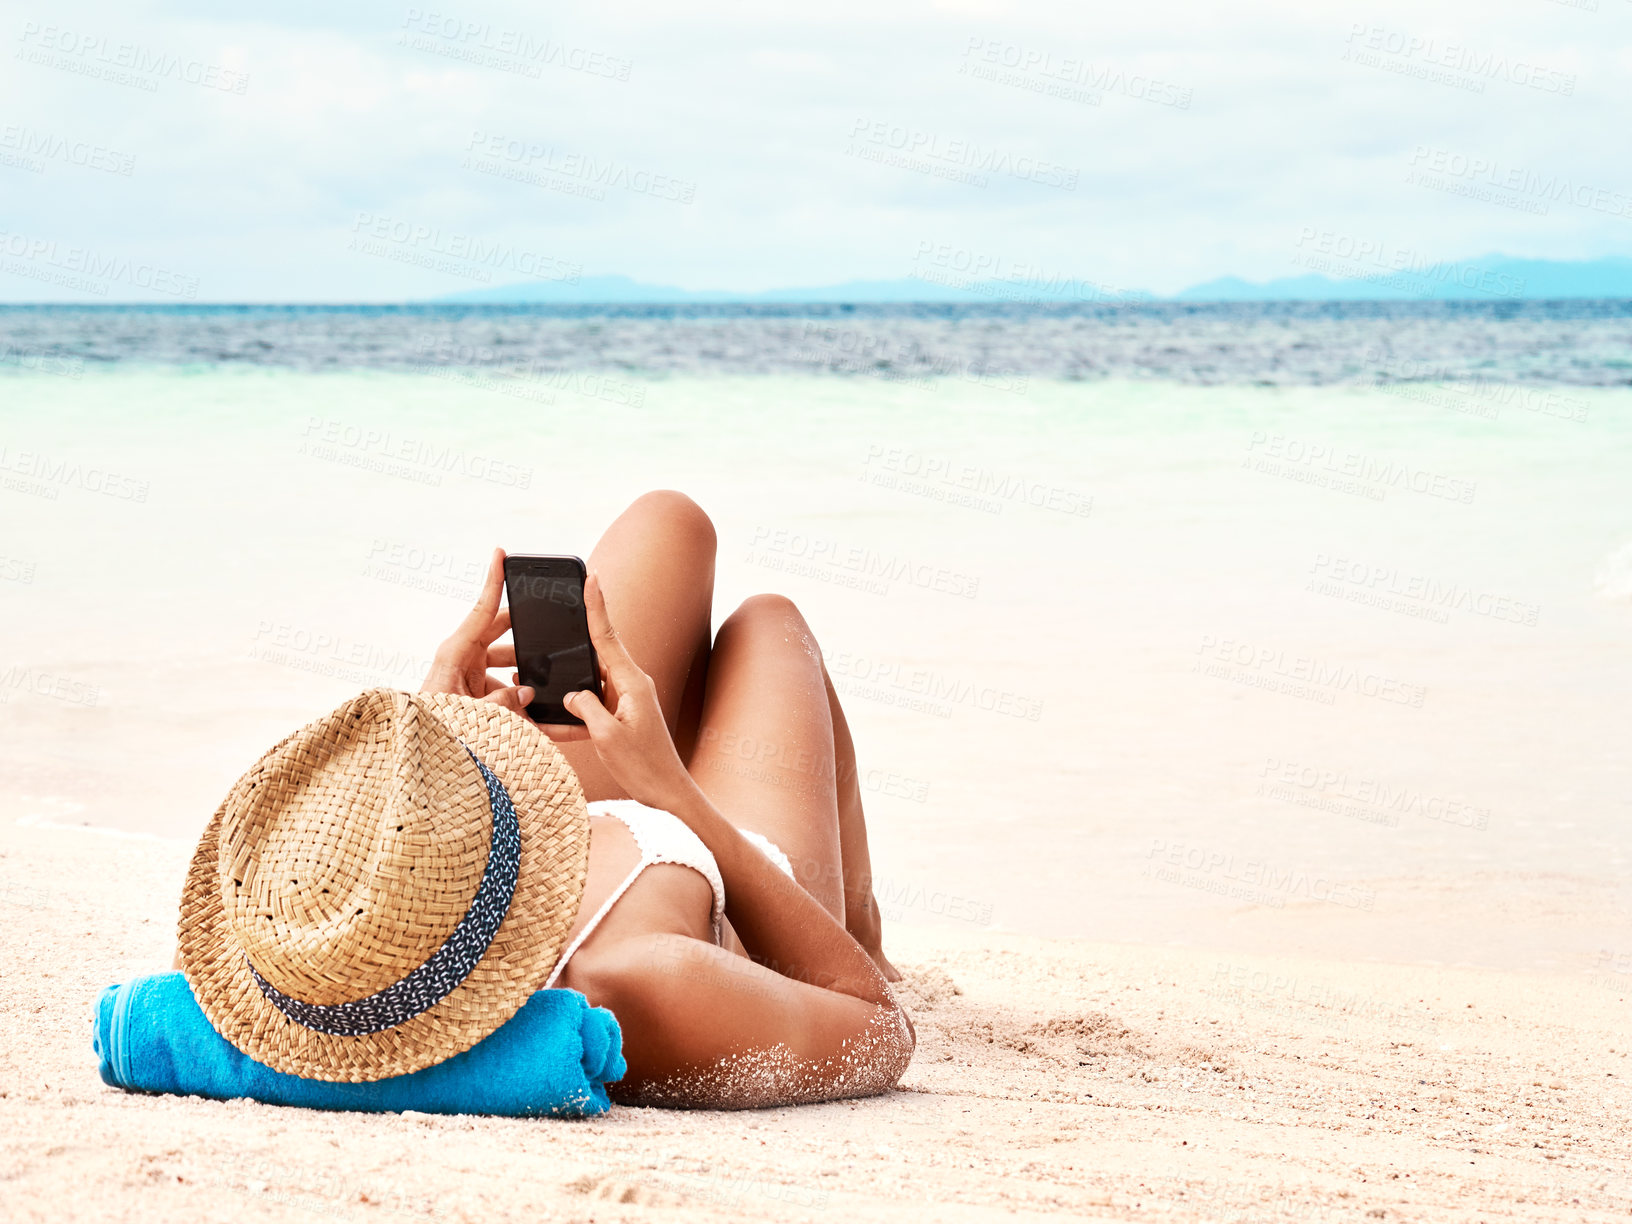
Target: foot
862, 920
890, 972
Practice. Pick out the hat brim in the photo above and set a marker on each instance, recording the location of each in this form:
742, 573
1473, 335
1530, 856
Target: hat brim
554, 826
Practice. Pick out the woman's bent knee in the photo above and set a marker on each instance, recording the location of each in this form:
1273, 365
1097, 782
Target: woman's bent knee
673, 511
767, 611
769, 624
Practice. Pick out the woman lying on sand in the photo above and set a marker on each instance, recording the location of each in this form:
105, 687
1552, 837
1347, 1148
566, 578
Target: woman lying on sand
744, 736
741, 770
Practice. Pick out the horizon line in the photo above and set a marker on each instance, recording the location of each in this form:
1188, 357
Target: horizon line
1153, 300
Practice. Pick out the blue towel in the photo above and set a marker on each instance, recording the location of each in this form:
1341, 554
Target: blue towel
553, 1057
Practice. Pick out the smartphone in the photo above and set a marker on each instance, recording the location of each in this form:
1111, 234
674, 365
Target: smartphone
553, 651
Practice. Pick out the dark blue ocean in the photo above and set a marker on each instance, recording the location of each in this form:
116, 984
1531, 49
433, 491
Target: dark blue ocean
1574, 342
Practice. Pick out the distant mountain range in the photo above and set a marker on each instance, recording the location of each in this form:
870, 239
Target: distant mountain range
1488, 278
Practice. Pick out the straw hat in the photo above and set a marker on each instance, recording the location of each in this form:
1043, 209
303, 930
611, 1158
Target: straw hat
385, 887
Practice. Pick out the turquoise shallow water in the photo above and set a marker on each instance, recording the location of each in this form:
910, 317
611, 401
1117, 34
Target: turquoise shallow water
1117, 652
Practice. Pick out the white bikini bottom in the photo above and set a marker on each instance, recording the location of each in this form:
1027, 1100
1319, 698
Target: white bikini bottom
664, 838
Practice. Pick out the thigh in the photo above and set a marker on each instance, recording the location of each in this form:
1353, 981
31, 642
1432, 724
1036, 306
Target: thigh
764, 752
656, 567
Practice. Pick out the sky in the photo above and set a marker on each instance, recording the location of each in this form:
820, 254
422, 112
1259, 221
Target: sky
209, 150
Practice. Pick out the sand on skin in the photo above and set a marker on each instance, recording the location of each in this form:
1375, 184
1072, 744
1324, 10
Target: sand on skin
1053, 1078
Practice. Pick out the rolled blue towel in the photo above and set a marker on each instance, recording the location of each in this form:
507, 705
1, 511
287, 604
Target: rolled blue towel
554, 1057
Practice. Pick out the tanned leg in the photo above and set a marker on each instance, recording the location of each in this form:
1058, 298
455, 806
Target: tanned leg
774, 754
656, 567
861, 916
764, 751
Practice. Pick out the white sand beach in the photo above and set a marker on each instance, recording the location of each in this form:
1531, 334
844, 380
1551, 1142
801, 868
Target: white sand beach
1054, 1079
1229, 887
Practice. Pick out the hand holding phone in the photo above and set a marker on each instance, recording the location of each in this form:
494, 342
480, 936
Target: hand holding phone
563, 635
625, 723
464, 661
554, 654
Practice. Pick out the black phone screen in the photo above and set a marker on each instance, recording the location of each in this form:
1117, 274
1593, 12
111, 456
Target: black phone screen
553, 650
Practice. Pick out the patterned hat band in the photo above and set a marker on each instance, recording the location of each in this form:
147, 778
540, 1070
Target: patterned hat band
450, 964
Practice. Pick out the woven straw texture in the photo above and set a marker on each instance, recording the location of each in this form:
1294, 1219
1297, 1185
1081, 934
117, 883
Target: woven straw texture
348, 854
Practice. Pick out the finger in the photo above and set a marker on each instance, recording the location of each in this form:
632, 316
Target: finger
588, 707
516, 699
480, 617
492, 684
564, 733
501, 656
614, 658
499, 627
